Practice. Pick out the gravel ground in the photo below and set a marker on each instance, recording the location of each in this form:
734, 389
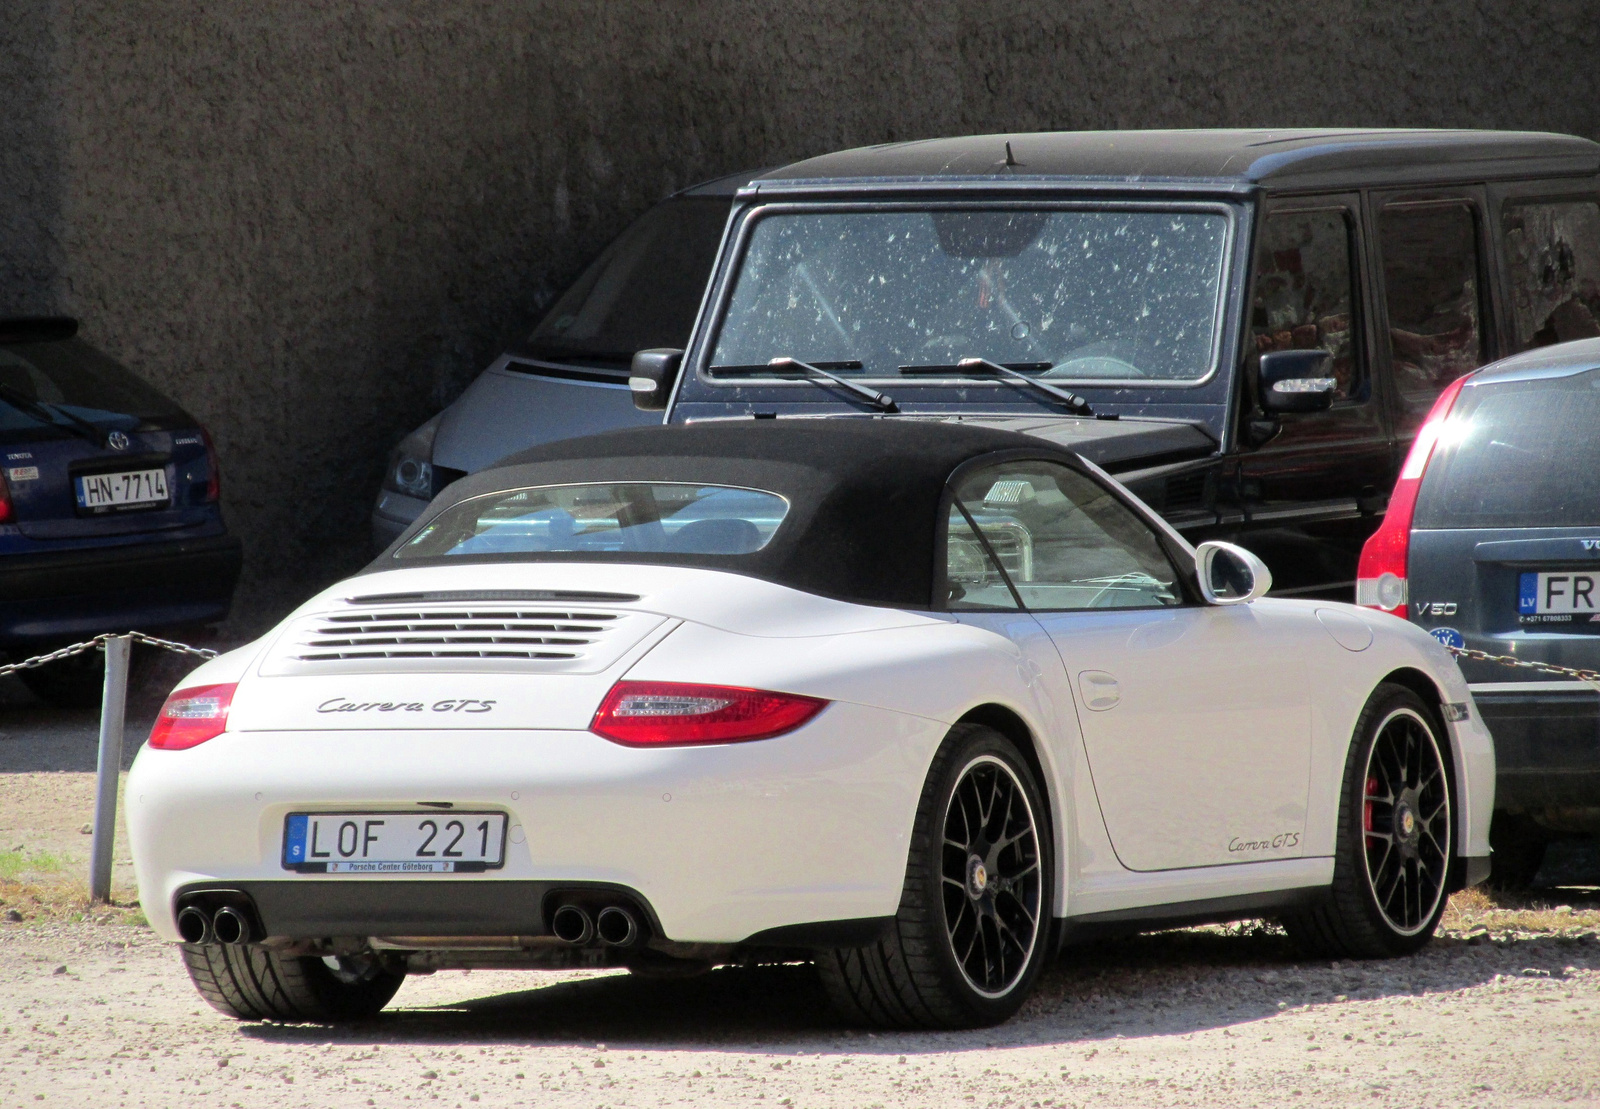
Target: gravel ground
1504, 1009
102, 1015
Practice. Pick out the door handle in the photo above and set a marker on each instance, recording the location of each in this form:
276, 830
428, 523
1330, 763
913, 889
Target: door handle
1100, 690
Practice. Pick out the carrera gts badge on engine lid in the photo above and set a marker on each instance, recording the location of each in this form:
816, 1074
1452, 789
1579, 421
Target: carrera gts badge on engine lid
455, 704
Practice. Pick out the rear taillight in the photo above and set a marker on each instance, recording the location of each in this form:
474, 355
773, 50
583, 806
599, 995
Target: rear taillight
1381, 580
5, 501
192, 716
213, 468
667, 714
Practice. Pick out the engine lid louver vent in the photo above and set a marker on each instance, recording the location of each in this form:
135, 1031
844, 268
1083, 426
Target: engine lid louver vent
456, 637
461, 633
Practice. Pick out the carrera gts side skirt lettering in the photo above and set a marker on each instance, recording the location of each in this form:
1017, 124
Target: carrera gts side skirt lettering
1272, 843
468, 704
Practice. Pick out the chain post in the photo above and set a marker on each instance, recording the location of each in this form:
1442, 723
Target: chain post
108, 772
113, 714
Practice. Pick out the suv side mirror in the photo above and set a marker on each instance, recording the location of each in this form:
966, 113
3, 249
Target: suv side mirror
1230, 575
1296, 381
652, 375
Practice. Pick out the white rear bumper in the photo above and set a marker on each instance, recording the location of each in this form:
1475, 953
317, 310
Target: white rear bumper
722, 842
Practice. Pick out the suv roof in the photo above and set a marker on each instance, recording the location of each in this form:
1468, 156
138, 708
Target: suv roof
1325, 157
727, 186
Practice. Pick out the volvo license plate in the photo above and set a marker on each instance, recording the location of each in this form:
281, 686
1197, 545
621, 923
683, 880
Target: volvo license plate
443, 842
1558, 596
132, 489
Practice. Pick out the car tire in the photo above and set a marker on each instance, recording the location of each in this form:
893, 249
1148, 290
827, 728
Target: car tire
976, 902
255, 983
1391, 875
77, 682
1517, 846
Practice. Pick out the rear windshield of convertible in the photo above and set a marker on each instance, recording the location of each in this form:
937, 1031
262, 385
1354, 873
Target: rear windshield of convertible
614, 517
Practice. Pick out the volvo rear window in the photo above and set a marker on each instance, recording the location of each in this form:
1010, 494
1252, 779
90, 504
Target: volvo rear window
611, 518
1517, 454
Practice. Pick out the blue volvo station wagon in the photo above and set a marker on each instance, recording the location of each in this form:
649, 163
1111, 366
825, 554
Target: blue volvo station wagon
109, 514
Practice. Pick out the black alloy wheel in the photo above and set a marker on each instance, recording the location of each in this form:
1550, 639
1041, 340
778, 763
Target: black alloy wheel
992, 883
1406, 821
973, 929
1396, 836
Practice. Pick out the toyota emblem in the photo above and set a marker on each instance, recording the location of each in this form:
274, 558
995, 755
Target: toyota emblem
117, 441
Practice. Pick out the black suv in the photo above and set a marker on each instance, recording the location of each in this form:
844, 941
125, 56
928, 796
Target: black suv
1245, 327
1492, 542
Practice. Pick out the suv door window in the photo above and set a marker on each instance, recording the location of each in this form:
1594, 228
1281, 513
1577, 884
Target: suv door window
1304, 480
1553, 263
1064, 541
1433, 295
1303, 291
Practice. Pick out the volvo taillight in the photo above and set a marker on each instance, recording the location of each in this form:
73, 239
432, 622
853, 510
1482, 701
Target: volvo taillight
1381, 577
672, 714
192, 716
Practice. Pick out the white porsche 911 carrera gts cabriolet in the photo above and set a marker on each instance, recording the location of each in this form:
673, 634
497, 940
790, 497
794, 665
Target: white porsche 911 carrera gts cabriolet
915, 701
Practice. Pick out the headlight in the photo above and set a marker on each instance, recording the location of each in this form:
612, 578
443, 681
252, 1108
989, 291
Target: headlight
410, 469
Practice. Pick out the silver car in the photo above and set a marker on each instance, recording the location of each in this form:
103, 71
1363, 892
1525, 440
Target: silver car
570, 377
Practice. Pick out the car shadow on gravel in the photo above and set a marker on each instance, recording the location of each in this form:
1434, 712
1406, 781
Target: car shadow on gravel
1165, 984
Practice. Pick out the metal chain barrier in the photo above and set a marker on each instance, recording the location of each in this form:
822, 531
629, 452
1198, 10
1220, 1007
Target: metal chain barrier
113, 711
99, 642
1590, 676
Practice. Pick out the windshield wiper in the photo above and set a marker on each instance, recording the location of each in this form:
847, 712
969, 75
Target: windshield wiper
816, 372
46, 413
1009, 371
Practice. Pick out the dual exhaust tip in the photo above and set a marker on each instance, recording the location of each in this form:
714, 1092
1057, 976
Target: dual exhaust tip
613, 926
227, 925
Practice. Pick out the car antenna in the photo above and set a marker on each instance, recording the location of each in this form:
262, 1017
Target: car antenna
1011, 159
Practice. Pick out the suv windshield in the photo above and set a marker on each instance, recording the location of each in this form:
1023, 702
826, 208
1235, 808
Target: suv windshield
643, 291
613, 517
1519, 454
1080, 295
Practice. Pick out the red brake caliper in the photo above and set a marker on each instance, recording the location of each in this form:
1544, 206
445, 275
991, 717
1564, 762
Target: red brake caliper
1366, 807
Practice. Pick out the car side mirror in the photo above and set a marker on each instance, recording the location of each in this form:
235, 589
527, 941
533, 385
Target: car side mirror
1230, 575
1296, 381
652, 375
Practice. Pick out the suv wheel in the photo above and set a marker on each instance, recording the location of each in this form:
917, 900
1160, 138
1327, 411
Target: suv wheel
1517, 845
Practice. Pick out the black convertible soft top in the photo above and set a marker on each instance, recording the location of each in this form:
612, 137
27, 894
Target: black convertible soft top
865, 495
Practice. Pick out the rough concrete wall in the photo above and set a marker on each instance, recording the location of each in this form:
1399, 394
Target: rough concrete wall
312, 221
